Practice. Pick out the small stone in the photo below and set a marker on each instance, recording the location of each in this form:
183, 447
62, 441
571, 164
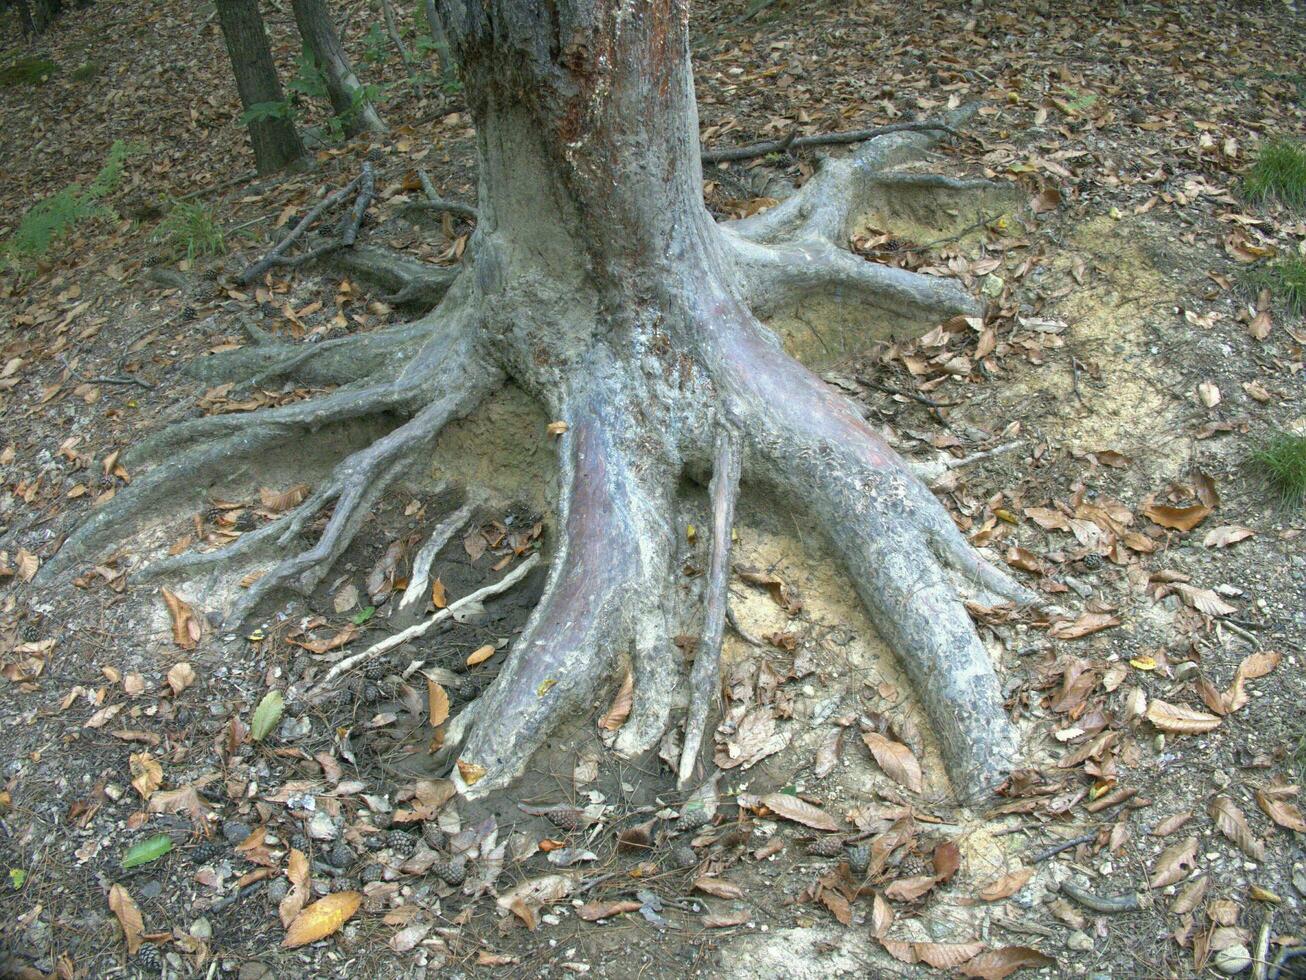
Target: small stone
684, 857
201, 928
233, 831
1079, 941
278, 890
151, 889
322, 827
1232, 960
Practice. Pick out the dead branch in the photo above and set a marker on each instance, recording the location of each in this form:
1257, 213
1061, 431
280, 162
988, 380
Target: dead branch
753, 150
1116, 903
1064, 846
256, 269
411, 604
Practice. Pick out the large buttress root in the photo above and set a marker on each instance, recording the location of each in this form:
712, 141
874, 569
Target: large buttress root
610, 553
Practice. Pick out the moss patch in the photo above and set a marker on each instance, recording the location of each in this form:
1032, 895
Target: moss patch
26, 71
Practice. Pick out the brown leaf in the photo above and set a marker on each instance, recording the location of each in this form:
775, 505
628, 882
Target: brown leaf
719, 887
1282, 812
1170, 824
945, 956
799, 811
724, 920
910, 889
839, 906
180, 677
1226, 535
881, 917
947, 860
480, 655
28, 564
827, 753
621, 705
278, 501
147, 774
1177, 518
1179, 719
321, 919
437, 702
1253, 666
999, 963
593, 911
1190, 896
1174, 863
129, 917
1203, 600
1233, 824
335, 642
780, 592
897, 761
297, 871
185, 626
1085, 625
1007, 885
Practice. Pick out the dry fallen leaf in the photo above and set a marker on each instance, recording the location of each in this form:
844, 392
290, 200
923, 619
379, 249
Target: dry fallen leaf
438, 702
470, 772
297, 872
593, 911
897, 761
1190, 896
129, 917
1085, 625
480, 655
621, 704
147, 774
1233, 824
1007, 885
1177, 518
719, 887
999, 963
1180, 720
1226, 535
946, 956
278, 501
321, 919
185, 625
1170, 824
1285, 814
1174, 863
1203, 600
180, 677
799, 811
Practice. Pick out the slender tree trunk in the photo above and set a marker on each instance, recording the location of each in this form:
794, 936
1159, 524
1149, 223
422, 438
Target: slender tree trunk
275, 140
25, 17
448, 70
343, 86
45, 13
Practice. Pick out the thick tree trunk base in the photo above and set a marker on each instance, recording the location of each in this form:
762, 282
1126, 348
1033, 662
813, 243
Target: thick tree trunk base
703, 389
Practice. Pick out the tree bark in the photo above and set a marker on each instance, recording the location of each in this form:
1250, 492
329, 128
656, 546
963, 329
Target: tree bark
276, 142
25, 17
343, 86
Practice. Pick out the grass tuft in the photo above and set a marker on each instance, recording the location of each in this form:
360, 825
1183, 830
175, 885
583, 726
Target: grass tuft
26, 71
1279, 173
1285, 279
1281, 462
192, 228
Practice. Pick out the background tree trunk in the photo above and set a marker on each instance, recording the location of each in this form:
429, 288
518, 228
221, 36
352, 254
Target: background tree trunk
45, 13
276, 143
25, 16
448, 69
343, 86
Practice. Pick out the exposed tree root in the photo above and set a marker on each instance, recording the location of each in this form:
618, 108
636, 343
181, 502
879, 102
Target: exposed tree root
671, 374
705, 678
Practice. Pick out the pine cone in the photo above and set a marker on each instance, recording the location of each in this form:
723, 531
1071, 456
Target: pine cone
567, 818
1092, 562
341, 856
912, 866
30, 631
436, 838
299, 842
859, 858
205, 851
693, 817
149, 959
246, 522
188, 313
450, 872
371, 873
684, 857
826, 847
212, 515
401, 842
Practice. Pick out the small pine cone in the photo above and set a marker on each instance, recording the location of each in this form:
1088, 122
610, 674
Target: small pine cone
912, 866
246, 522
826, 847
401, 842
436, 838
211, 274
341, 856
299, 842
205, 851
859, 858
374, 842
693, 817
1092, 562
148, 959
30, 631
567, 818
371, 873
684, 857
450, 872
188, 313
212, 515
375, 671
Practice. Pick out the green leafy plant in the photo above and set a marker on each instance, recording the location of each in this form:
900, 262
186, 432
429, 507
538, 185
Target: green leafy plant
191, 227
263, 111
52, 218
1279, 173
1281, 462
375, 44
26, 71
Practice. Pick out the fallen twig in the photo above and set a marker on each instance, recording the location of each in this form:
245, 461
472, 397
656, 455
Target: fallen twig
1260, 967
434, 202
412, 603
366, 188
1063, 846
256, 269
1117, 903
403, 636
821, 139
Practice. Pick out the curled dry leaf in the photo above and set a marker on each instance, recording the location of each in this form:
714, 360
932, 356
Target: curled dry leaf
799, 811
1282, 812
881, 917
129, 917
897, 761
1170, 824
1190, 896
724, 920
1180, 720
999, 963
321, 919
621, 704
470, 772
180, 677
1253, 666
480, 655
1204, 600
185, 626
1177, 518
1085, 625
593, 911
910, 889
147, 774
1233, 824
1007, 885
1226, 535
718, 887
297, 873
839, 906
1174, 863
946, 956
278, 501
437, 700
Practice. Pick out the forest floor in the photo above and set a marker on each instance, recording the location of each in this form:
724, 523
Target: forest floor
1123, 349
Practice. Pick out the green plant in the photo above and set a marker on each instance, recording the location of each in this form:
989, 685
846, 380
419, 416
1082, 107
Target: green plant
1286, 279
26, 71
191, 227
374, 44
261, 111
1281, 461
1279, 173
52, 218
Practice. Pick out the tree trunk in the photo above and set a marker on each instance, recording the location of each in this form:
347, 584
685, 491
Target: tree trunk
45, 13
448, 70
275, 140
343, 86
599, 282
25, 17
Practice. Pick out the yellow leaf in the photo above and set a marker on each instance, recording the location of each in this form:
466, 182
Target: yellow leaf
470, 772
480, 655
129, 916
438, 701
545, 687
557, 428
321, 919
1143, 663
438, 598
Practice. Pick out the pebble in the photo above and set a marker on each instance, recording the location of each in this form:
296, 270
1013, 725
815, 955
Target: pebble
233, 831
322, 827
151, 889
1233, 960
278, 890
1079, 941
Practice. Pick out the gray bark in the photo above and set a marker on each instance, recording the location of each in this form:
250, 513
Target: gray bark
343, 86
276, 142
